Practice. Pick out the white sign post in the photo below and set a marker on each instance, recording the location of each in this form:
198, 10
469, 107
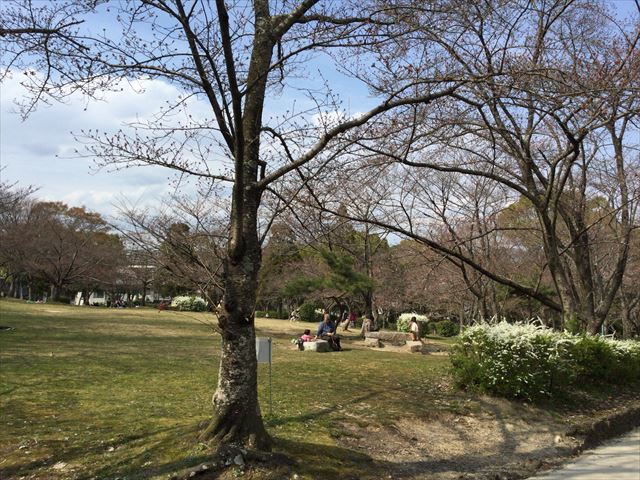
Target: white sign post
263, 355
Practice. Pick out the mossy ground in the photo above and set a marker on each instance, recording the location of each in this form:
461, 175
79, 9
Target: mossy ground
122, 393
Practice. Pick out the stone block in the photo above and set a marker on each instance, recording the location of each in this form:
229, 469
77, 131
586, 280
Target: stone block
431, 348
372, 342
317, 346
392, 338
414, 347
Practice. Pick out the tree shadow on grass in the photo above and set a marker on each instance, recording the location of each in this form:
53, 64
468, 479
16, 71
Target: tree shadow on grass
319, 461
322, 412
127, 458
345, 461
148, 454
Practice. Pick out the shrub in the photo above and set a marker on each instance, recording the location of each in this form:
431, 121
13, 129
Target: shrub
308, 312
446, 328
598, 359
189, 304
402, 324
627, 354
530, 361
520, 361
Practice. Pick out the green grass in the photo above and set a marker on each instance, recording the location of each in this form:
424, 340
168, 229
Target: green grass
122, 392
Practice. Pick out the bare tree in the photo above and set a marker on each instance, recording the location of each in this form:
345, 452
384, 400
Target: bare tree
532, 125
235, 57
182, 241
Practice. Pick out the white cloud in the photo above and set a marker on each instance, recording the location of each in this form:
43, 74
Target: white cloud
40, 150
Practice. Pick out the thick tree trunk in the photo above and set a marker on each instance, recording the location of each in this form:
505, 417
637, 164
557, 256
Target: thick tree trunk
368, 304
237, 419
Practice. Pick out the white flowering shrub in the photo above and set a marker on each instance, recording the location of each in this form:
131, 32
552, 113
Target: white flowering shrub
189, 304
522, 360
402, 324
527, 361
601, 359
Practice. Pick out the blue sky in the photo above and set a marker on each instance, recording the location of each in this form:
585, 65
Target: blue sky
39, 150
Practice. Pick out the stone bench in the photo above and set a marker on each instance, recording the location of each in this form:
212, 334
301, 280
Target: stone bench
317, 346
397, 339
393, 338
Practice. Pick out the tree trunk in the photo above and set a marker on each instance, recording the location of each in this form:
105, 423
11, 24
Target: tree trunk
629, 327
144, 294
368, 304
237, 419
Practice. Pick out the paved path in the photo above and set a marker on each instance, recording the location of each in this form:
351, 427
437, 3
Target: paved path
615, 460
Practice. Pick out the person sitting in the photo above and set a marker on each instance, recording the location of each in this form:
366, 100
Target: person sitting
327, 331
305, 337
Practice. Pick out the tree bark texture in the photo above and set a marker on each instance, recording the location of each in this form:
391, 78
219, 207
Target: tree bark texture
237, 419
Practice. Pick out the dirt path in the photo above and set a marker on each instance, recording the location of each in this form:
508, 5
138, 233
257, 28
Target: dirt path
501, 441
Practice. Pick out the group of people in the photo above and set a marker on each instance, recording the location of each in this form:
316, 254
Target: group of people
327, 330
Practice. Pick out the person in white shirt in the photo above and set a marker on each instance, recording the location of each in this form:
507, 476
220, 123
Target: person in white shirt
414, 328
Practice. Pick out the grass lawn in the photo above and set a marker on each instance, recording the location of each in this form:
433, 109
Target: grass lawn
104, 393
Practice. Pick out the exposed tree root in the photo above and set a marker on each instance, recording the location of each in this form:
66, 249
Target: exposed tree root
237, 428
231, 456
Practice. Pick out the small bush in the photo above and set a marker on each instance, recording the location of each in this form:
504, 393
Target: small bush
446, 328
189, 304
308, 312
402, 324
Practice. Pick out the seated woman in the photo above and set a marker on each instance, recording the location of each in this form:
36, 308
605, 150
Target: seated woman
327, 331
367, 326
